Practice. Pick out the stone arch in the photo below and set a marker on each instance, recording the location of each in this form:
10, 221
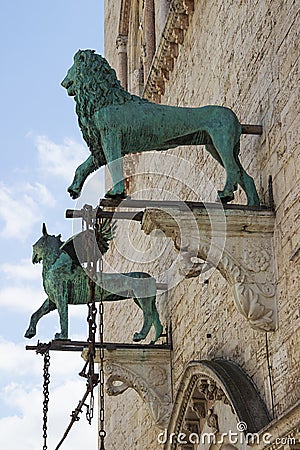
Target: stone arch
214, 396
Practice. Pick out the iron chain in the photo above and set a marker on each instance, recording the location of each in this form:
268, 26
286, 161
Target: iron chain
46, 395
102, 432
88, 371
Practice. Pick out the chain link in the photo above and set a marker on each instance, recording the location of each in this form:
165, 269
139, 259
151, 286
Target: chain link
92, 223
102, 432
46, 383
93, 378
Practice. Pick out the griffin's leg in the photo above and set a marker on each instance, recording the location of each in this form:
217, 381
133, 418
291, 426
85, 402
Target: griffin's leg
156, 321
46, 307
62, 307
146, 307
81, 174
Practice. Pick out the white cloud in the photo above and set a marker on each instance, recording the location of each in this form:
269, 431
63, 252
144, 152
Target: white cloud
24, 430
20, 208
22, 298
60, 159
24, 270
40, 193
21, 293
21, 399
16, 361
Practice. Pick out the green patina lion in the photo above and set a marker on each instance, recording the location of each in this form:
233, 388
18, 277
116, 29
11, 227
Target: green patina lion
66, 282
115, 123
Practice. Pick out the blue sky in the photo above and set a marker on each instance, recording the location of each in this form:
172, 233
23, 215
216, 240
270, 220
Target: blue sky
41, 145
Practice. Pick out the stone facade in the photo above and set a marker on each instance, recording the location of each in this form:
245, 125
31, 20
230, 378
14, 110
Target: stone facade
243, 55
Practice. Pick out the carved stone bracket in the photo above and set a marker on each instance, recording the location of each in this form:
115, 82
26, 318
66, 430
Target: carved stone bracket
148, 372
237, 241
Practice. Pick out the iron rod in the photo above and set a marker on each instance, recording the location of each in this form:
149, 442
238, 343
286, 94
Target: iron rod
178, 204
130, 215
78, 346
252, 129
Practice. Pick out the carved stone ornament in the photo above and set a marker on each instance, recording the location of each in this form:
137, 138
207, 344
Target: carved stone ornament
148, 372
218, 386
121, 43
212, 421
237, 241
178, 20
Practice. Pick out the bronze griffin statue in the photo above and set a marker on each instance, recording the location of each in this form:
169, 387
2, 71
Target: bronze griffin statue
66, 282
115, 123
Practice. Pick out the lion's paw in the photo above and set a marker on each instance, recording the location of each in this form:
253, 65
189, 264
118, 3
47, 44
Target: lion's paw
74, 193
30, 333
61, 337
113, 194
225, 196
137, 337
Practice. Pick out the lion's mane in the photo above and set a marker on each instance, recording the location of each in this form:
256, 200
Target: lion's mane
96, 86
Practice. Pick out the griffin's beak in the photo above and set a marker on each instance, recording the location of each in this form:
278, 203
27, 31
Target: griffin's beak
36, 260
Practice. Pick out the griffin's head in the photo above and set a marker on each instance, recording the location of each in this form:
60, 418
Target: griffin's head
45, 245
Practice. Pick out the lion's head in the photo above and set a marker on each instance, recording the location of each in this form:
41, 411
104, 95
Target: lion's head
93, 84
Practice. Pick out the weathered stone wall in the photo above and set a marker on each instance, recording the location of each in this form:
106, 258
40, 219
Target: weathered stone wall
111, 21
244, 55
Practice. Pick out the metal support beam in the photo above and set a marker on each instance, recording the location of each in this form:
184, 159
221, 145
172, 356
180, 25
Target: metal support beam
79, 346
129, 215
252, 129
183, 205
163, 204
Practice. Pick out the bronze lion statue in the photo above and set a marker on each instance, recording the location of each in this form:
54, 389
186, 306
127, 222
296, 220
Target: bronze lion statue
115, 123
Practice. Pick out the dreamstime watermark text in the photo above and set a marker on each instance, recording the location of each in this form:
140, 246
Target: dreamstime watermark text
239, 436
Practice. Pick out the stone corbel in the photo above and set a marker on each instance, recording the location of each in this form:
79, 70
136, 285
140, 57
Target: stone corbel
121, 43
237, 241
148, 372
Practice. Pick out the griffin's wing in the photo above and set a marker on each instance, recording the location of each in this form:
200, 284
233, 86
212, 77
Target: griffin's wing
106, 232
88, 245
76, 247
